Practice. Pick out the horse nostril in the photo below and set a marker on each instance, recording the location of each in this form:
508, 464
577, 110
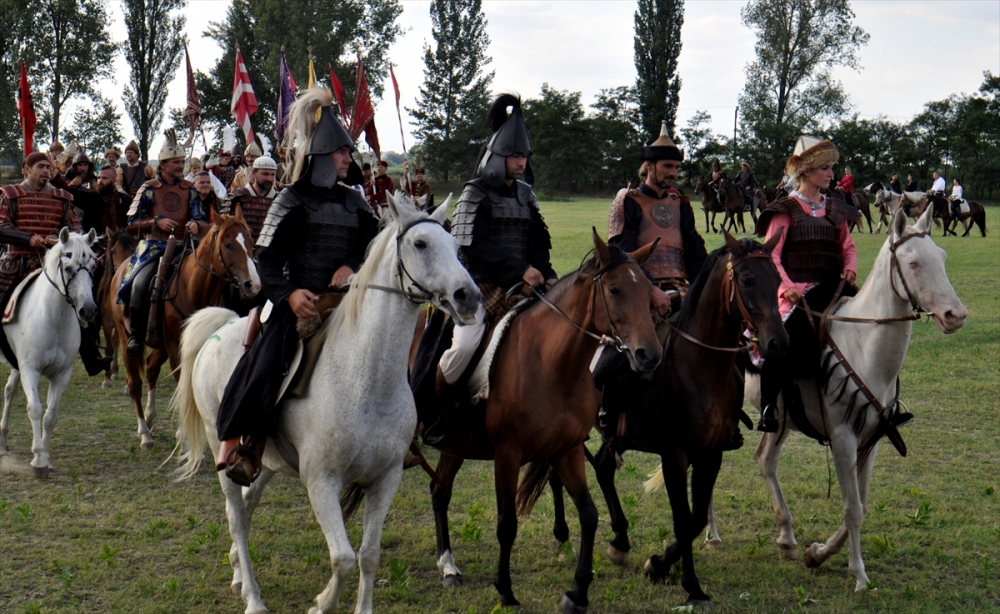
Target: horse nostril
460, 295
641, 356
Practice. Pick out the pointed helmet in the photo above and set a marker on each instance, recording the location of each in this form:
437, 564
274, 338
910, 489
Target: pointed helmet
510, 136
663, 148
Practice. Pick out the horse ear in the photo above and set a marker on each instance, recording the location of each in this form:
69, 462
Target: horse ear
899, 222
600, 247
642, 254
769, 246
440, 214
217, 219
64, 235
731, 242
924, 223
92, 237
393, 206
238, 214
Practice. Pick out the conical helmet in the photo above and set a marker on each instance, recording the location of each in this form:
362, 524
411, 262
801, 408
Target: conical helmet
663, 148
510, 136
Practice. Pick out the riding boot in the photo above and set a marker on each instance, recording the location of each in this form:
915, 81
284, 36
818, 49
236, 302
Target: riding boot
137, 332
244, 462
770, 386
90, 353
448, 397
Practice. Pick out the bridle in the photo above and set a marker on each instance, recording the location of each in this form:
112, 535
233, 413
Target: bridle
415, 293
64, 291
229, 277
614, 339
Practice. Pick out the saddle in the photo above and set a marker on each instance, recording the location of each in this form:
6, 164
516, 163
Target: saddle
10, 309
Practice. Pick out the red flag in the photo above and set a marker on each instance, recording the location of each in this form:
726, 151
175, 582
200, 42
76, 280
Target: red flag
26, 111
244, 102
192, 113
395, 85
338, 93
363, 117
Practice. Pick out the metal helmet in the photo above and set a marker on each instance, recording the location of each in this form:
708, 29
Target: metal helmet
510, 136
328, 136
663, 148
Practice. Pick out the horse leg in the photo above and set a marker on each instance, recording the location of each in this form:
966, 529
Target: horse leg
560, 530
505, 468
57, 386
9, 392
571, 468
324, 495
378, 497
153, 365
39, 446
706, 222
768, 454
844, 447
244, 583
605, 467
250, 497
703, 476
742, 224
447, 469
712, 539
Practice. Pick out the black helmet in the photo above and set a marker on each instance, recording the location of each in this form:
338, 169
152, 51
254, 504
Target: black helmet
510, 136
329, 136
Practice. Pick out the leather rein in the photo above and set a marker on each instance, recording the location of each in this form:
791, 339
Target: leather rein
416, 293
614, 339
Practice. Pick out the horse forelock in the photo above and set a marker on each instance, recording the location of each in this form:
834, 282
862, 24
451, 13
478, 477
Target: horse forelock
78, 248
690, 305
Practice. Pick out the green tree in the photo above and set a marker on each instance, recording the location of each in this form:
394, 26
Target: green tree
619, 137
97, 128
71, 49
153, 52
701, 145
563, 142
657, 45
16, 17
789, 86
454, 98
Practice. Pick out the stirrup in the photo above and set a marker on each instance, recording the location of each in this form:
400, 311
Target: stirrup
134, 346
243, 463
768, 423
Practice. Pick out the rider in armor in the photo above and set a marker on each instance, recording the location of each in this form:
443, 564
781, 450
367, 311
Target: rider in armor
32, 213
313, 238
747, 181
815, 256
163, 207
502, 238
254, 201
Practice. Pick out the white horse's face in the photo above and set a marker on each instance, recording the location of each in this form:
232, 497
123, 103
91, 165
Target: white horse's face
922, 264
430, 256
70, 264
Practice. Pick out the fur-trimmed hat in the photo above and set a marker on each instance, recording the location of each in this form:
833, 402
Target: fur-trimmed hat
663, 148
810, 153
133, 146
171, 148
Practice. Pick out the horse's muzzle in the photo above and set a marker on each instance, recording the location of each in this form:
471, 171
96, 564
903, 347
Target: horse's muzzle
464, 301
87, 312
644, 361
249, 289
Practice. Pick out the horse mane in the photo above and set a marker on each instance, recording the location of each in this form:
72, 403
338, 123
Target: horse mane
690, 304
590, 268
76, 247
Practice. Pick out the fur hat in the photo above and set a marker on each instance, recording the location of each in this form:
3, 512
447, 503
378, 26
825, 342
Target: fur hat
112, 151
56, 148
663, 148
170, 148
265, 162
133, 146
810, 153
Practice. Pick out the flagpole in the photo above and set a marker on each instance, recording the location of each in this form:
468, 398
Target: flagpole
402, 139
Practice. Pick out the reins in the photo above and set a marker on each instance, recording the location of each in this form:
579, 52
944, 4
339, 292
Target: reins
421, 295
613, 340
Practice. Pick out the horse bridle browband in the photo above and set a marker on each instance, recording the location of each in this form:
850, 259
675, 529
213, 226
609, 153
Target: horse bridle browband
421, 295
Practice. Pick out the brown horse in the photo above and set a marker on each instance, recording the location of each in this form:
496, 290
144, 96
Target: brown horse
976, 215
222, 257
733, 203
686, 414
864, 206
543, 403
710, 202
120, 247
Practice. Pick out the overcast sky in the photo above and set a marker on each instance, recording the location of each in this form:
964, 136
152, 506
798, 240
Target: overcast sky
918, 52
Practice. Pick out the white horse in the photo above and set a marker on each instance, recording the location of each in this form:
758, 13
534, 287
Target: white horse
45, 337
908, 273
357, 418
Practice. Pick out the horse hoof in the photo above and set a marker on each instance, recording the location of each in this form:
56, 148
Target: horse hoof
453, 581
41, 473
650, 572
811, 560
236, 589
566, 606
705, 605
146, 445
789, 551
617, 556
713, 544
106, 384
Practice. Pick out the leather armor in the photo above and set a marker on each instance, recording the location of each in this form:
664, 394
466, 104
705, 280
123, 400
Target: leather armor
812, 250
133, 177
661, 220
254, 208
39, 213
170, 201
511, 217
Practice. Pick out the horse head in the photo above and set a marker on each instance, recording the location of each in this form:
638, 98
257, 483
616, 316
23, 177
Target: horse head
69, 266
753, 292
427, 260
622, 296
919, 264
699, 187
229, 248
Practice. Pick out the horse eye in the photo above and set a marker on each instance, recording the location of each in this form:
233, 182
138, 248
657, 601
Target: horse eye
914, 264
613, 291
228, 245
747, 281
420, 244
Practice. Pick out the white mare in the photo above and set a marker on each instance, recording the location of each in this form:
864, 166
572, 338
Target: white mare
876, 352
45, 337
358, 417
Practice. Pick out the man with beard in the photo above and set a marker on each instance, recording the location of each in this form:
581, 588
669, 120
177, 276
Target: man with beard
135, 172
253, 201
32, 213
116, 202
81, 173
242, 178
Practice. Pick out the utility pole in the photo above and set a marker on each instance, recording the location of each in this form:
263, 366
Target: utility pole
736, 115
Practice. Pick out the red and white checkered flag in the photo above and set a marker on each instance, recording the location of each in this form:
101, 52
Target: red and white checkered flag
244, 102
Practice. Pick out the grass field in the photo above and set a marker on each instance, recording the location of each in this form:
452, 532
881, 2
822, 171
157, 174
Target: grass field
110, 532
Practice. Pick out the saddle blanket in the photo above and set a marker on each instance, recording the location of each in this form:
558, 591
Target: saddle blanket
963, 206
10, 309
479, 381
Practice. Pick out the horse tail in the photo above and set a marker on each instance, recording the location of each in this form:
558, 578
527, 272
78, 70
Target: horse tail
655, 481
191, 430
350, 500
533, 484
980, 219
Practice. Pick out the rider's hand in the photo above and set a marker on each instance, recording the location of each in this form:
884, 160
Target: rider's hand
38, 242
192, 227
166, 224
533, 277
549, 283
793, 295
303, 303
340, 277
849, 276
661, 302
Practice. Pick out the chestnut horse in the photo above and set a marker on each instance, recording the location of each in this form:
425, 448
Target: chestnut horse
222, 257
120, 247
686, 413
710, 202
543, 403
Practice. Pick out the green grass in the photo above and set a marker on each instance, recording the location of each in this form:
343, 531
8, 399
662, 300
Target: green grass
110, 532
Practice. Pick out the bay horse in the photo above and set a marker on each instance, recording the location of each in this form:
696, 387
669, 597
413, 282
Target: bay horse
853, 401
357, 417
45, 337
976, 215
710, 202
733, 203
685, 414
543, 403
120, 247
222, 257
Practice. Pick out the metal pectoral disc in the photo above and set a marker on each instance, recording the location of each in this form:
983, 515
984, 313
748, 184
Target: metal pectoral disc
662, 215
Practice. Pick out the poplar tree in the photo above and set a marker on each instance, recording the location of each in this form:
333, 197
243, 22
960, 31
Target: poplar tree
451, 109
153, 50
657, 46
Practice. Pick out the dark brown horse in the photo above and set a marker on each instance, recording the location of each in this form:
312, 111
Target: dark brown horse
733, 203
543, 403
976, 215
687, 413
120, 247
222, 257
710, 202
